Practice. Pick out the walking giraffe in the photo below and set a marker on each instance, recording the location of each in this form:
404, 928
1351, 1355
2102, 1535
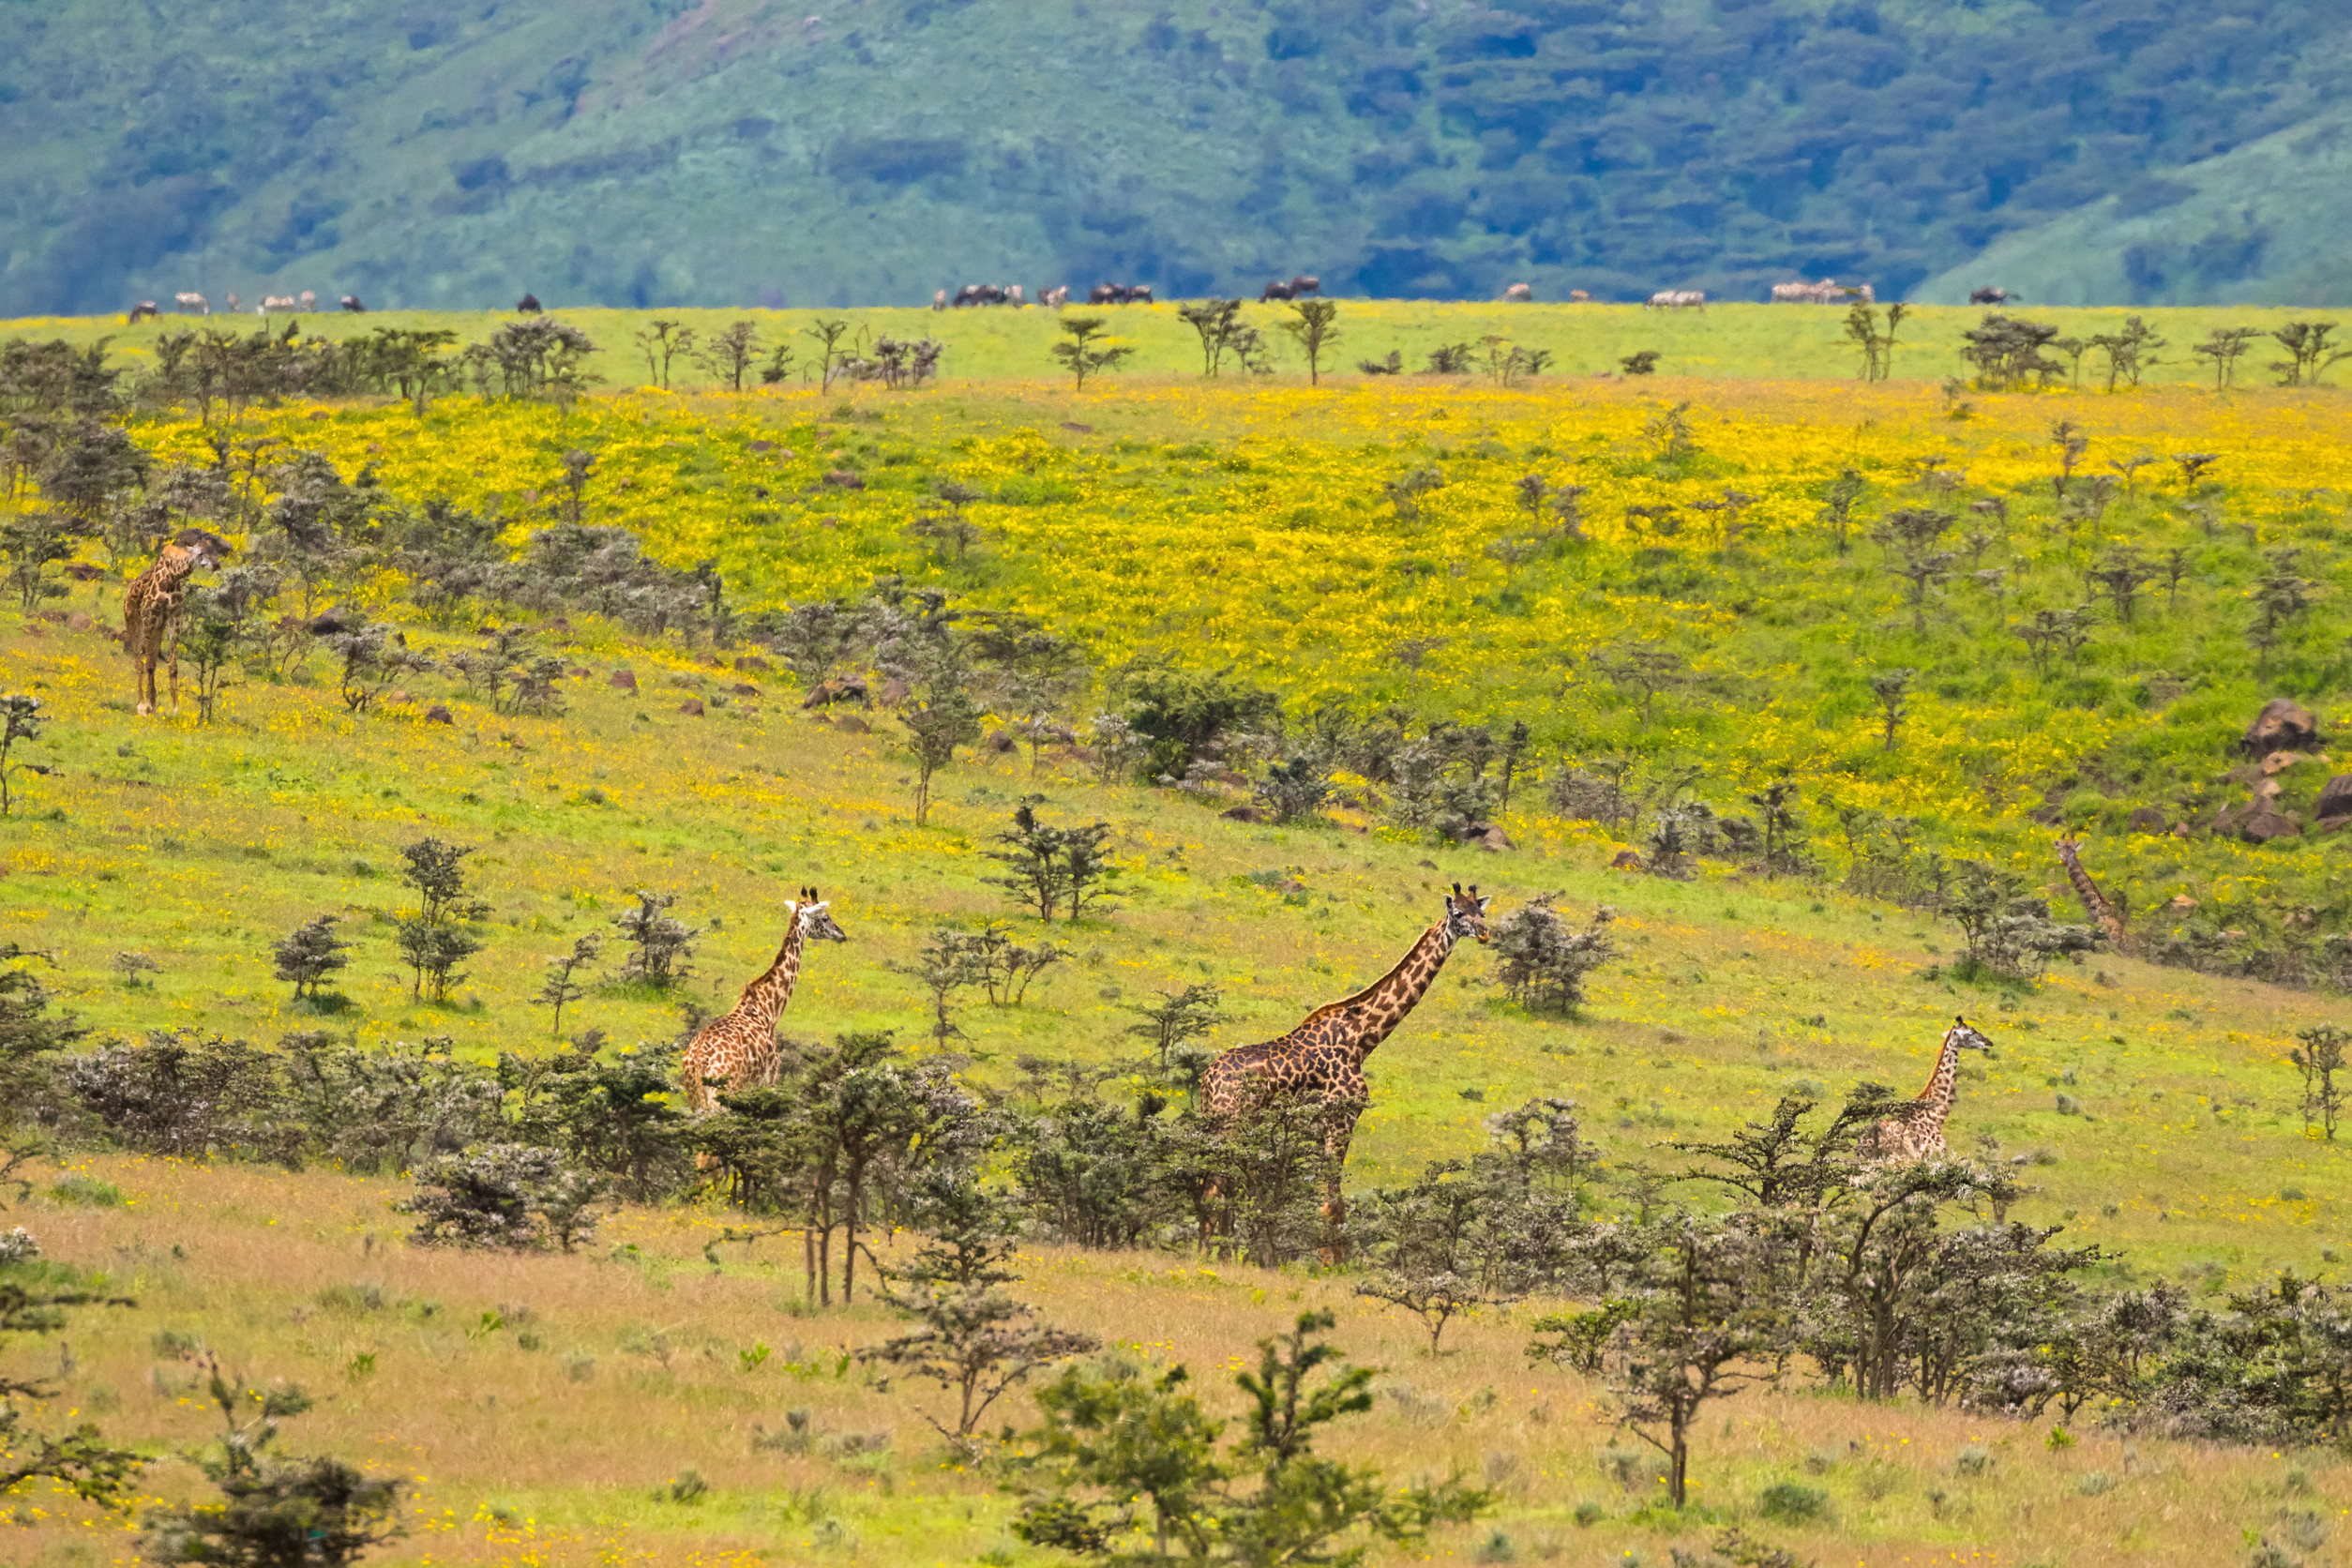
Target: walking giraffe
739, 1048
1915, 1130
2106, 911
1324, 1057
155, 604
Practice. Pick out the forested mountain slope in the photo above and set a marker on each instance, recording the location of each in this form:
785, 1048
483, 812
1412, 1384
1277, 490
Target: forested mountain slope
741, 151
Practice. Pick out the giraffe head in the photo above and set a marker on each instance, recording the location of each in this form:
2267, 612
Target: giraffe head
1466, 913
200, 548
815, 918
1966, 1037
2068, 843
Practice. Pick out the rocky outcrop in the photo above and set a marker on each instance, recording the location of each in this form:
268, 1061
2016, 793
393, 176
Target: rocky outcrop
2283, 725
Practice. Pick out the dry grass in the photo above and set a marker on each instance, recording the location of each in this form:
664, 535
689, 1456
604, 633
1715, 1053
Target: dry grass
618, 1369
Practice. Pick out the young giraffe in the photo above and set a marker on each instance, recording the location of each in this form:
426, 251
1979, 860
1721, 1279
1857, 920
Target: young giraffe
1916, 1130
155, 603
2097, 904
1324, 1057
739, 1049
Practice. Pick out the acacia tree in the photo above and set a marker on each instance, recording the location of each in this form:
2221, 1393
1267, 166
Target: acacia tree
1314, 326
1081, 355
1694, 1326
439, 936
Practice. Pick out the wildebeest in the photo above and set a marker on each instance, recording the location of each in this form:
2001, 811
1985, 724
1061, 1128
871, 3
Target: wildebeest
275, 302
1296, 288
350, 303
1013, 294
1056, 296
1579, 296
1827, 292
309, 299
1677, 299
1119, 294
145, 309
1990, 296
233, 301
939, 299
189, 300
1519, 292
528, 305
979, 294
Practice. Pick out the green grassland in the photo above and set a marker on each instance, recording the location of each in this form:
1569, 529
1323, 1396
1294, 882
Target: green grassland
2153, 1109
199, 846
1726, 340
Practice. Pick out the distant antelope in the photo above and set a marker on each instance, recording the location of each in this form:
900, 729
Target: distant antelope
1677, 299
188, 301
275, 302
145, 309
309, 299
1519, 294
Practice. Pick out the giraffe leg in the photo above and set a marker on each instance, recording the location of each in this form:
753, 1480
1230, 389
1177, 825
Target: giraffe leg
1333, 1251
175, 676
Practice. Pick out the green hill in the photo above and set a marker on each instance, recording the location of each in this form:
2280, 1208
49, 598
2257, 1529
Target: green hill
636, 152
2262, 223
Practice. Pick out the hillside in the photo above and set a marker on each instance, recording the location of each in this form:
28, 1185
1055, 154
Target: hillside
1620, 647
2259, 223
640, 152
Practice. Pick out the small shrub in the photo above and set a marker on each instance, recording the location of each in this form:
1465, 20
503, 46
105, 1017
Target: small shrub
1589, 1514
1821, 1461
2068, 1106
353, 1299
1623, 1466
1973, 1460
1792, 1502
507, 1195
579, 1368
18, 1247
1497, 1548
87, 1192
2092, 1483
1543, 961
688, 1488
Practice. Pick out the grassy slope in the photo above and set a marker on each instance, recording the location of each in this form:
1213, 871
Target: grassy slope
198, 845
512, 1454
1725, 342
2258, 223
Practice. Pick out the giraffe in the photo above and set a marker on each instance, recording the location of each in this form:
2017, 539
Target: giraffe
2101, 908
739, 1048
1916, 1130
1324, 1057
155, 603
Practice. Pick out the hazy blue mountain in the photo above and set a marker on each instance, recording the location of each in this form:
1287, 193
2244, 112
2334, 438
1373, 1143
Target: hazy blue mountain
419, 152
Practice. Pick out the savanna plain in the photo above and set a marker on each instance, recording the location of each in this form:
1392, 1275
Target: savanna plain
1800, 676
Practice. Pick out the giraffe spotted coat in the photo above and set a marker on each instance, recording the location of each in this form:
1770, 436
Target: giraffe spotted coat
155, 605
737, 1050
1322, 1059
1915, 1131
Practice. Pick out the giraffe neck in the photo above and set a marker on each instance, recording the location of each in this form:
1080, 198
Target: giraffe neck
765, 997
1943, 1083
172, 567
2084, 889
1385, 1006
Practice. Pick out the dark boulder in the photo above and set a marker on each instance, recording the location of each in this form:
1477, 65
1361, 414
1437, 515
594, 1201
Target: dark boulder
2282, 725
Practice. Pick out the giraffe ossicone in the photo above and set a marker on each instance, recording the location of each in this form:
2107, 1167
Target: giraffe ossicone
737, 1049
1322, 1059
1915, 1131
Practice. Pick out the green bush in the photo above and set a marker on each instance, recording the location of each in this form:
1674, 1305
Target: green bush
1792, 1502
87, 1192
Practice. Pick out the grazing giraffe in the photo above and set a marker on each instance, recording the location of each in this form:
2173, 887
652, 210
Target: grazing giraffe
2101, 908
155, 604
739, 1049
1916, 1130
1323, 1058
